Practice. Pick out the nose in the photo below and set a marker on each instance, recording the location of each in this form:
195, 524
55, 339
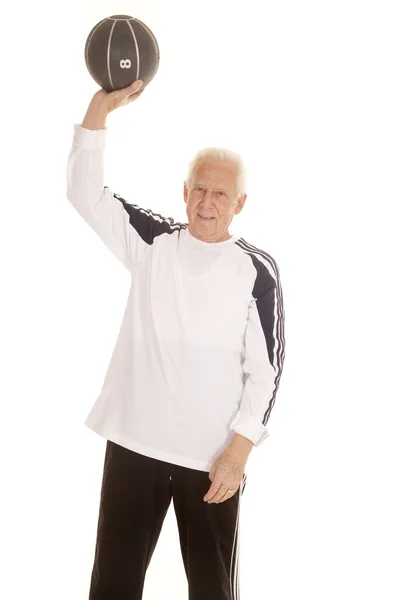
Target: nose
207, 200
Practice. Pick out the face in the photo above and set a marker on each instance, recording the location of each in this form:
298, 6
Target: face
212, 193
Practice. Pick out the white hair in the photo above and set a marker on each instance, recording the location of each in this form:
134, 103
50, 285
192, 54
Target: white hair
221, 154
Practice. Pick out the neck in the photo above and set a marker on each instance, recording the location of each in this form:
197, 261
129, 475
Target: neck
225, 237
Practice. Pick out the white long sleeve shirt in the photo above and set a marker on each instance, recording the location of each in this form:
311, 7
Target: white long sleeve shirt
200, 351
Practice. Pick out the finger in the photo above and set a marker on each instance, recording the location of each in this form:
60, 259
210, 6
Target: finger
220, 494
227, 495
212, 490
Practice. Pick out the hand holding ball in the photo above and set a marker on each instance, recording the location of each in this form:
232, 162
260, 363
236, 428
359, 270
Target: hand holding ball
112, 100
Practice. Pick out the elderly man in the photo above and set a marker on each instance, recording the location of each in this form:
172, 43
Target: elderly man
194, 373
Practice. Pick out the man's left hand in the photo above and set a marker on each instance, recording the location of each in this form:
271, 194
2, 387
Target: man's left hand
227, 471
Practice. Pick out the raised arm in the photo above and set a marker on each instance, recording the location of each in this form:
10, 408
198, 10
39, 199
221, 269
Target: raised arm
126, 229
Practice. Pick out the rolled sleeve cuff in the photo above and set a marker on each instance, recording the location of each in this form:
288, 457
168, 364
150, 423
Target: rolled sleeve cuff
250, 427
89, 139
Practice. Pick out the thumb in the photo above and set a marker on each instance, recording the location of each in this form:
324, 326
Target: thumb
127, 95
212, 472
134, 87
128, 92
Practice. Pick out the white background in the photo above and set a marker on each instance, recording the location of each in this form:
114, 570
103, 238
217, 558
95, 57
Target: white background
308, 93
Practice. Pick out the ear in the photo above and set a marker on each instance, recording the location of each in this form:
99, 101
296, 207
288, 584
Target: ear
185, 192
240, 204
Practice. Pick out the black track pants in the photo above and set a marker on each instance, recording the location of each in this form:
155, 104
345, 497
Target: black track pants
135, 496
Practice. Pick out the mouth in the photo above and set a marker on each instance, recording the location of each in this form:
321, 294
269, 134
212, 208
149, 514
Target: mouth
206, 218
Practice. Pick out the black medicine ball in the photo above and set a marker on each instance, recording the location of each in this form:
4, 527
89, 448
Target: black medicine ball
119, 50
